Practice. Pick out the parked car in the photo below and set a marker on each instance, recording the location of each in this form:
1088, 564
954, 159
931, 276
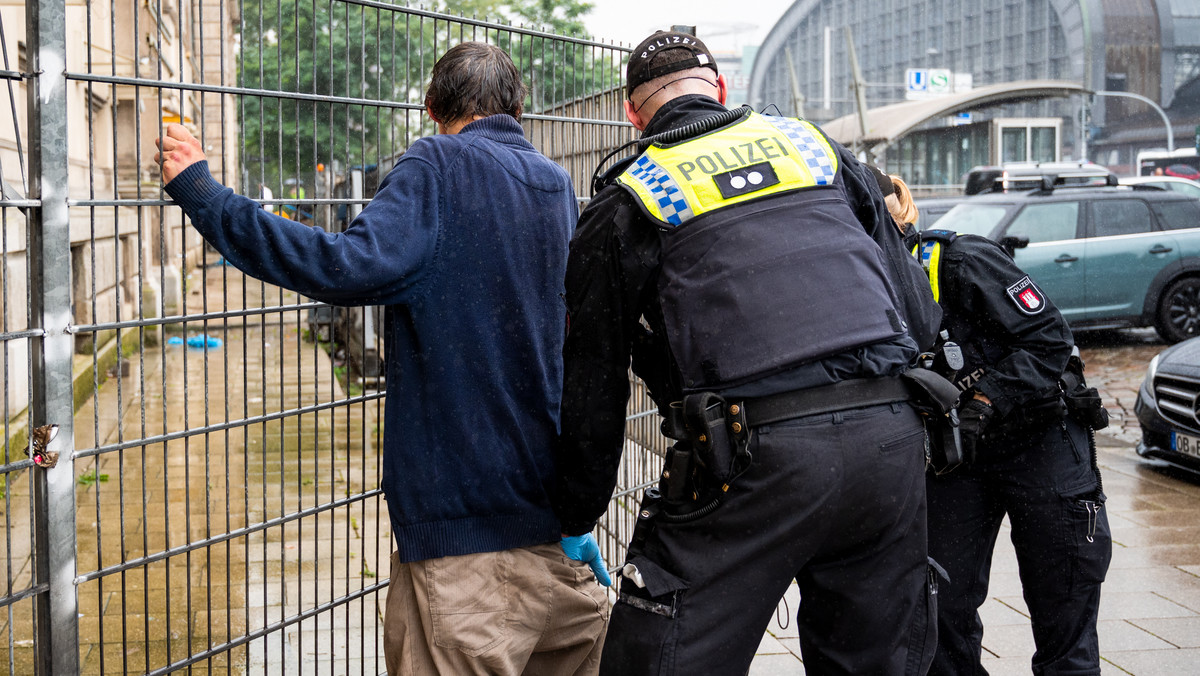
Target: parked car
1181, 185
1166, 406
1108, 256
1009, 177
930, 209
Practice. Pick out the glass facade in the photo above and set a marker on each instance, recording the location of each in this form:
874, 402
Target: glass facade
993, 40
939, 157
1145, 47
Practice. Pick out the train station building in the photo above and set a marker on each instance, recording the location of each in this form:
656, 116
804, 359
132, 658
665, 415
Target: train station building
1060, 79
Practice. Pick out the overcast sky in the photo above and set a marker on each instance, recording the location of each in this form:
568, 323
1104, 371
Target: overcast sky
724, 25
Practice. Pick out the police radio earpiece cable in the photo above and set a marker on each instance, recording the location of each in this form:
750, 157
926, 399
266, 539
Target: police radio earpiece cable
679, 134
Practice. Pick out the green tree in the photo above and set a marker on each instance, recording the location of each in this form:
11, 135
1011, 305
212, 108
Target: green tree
345, 82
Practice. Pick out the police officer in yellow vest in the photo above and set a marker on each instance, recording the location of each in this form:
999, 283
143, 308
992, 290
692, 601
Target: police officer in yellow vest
748, 268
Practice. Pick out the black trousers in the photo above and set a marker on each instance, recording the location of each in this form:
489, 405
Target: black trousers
1042, 479
835, 501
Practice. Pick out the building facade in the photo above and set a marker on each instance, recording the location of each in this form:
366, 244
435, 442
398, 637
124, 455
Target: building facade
1149, 48
126, 261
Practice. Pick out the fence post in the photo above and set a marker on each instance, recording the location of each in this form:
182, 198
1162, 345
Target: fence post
55, 611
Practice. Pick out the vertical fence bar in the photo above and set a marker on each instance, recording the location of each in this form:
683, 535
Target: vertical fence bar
56, 611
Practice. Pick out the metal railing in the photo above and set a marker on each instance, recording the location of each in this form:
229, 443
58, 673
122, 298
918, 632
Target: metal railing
215, 503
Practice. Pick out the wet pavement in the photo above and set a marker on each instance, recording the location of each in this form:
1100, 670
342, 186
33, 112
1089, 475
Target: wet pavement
1150, 603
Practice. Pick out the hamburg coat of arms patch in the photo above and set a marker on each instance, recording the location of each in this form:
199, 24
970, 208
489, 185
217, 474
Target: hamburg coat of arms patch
1027, 297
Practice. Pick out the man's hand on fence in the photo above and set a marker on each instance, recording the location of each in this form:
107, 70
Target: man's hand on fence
177, 150
584, 548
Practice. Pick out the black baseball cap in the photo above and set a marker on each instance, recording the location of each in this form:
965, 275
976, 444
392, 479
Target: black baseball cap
645, 63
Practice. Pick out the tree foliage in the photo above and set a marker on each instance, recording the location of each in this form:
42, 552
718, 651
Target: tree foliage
343, 82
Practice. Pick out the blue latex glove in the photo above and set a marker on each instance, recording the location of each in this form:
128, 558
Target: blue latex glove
584, 548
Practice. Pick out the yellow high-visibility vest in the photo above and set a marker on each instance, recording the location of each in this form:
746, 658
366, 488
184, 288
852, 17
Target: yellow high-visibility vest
756, 157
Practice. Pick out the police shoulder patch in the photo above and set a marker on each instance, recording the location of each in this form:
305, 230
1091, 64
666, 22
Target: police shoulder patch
1027, 297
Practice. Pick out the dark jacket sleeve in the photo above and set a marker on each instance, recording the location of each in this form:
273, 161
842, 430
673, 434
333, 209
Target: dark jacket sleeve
1030, 349
909, 280
379, 259
604, 292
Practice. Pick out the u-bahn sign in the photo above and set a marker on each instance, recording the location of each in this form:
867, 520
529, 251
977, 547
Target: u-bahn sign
923, 83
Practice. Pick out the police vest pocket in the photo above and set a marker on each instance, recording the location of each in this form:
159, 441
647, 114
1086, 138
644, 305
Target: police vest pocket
469, 600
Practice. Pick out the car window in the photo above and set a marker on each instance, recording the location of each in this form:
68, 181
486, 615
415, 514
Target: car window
1120, 217
1046, 222
1178, 215
973, 219
1189, 189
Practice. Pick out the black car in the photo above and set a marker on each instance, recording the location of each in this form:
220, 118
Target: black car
1167, 406
1108, 256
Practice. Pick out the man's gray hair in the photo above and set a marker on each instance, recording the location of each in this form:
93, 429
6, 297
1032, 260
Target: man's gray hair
474, 79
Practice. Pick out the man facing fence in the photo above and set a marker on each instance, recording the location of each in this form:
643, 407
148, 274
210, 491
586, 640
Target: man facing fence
466, 244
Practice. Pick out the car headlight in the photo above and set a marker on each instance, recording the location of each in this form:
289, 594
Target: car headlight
1150, 371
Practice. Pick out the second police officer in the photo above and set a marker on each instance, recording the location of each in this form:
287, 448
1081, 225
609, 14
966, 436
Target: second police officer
749, 269
1026, 423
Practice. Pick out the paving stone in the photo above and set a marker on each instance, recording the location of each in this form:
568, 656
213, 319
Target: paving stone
1181, 632
1118, 635
776, 665
1139, 605
1007, 611
1006, 666
1010, 640
1150, 662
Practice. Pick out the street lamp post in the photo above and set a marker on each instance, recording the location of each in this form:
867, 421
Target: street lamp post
1162, 113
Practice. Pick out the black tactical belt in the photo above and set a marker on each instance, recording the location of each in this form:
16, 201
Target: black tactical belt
839, 396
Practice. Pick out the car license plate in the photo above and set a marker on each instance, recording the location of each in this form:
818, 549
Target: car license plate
1185, 443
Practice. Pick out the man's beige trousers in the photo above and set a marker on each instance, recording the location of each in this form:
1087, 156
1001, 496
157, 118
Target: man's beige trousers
528, 611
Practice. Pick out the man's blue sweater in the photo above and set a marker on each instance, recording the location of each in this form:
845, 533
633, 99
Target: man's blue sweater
466, 244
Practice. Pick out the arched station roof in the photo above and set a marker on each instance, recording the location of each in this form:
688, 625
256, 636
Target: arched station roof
887, 124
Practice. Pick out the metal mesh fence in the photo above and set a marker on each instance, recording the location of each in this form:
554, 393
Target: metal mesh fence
215, 508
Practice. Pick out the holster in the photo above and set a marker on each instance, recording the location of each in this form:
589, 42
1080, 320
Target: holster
935, 398
712, 440
704, 416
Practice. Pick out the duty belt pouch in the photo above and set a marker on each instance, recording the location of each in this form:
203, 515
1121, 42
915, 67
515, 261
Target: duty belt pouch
1082, 403
676, 479
647, 516
704, 415
1085, 407
935, 398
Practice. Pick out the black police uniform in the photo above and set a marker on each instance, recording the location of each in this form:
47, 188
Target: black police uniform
1032, 463
833, 500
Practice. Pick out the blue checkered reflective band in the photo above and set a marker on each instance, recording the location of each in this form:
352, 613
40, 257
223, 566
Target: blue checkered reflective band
664, 189
927, 253
814, 155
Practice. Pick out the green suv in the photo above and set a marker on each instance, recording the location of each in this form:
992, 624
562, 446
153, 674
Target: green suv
1107, 256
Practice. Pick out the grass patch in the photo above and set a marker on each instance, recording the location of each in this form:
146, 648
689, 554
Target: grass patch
90, 477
